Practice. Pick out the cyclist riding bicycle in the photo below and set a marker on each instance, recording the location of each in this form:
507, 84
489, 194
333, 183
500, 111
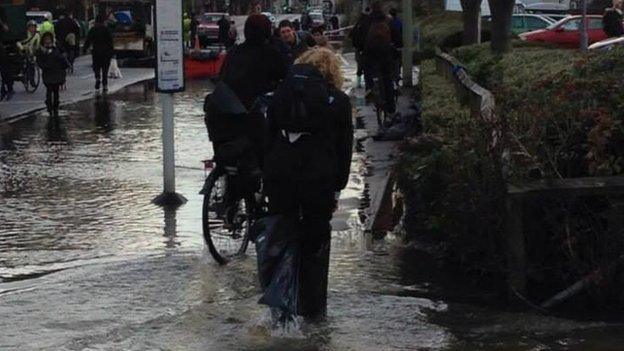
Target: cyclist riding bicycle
235, 123
32, 43
380, 54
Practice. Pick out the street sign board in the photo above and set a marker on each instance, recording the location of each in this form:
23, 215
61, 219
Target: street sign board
169, 46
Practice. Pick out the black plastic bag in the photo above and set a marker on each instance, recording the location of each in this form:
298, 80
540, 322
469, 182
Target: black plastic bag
278, 254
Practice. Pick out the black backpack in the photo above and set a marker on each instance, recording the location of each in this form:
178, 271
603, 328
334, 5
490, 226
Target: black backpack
300, 102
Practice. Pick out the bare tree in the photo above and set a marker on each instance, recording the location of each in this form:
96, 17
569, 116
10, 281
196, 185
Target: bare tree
501, 24
471, 14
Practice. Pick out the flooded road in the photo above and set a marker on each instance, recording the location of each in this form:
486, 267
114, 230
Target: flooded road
88, 263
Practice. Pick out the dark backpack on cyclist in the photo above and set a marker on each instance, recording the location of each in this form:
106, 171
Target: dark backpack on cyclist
379, 36
300, 145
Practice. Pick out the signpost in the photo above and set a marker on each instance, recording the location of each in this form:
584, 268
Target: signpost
408, 56
169, 80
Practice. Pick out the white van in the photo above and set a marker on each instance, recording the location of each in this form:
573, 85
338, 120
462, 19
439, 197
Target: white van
39, 17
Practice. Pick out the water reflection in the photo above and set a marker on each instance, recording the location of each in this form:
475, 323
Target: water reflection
170, 227
102, 116
56, 130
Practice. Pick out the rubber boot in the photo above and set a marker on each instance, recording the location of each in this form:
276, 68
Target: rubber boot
49, 107
314, 267
56, 109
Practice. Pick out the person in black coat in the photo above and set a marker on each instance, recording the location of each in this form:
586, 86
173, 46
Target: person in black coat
224, 30
612, 20
250, 70
194, 25
64, 27
53, 67
309, 190
101, 38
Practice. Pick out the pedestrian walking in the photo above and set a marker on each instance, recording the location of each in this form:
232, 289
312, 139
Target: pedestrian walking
4, 28
358, 38
186, 27
53, 65
296, 42
194, 25
307, 163
318, 33
101, 38
67, 33
612, 20
224, 30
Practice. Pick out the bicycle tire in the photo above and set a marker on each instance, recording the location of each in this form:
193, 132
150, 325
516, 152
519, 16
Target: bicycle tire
216, 236
31, 86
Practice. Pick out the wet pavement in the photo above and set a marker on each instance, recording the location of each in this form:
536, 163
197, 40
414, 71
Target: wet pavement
80, 86
88, 263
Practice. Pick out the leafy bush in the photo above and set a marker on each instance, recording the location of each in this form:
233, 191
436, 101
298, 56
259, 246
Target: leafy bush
436, 28
564, 115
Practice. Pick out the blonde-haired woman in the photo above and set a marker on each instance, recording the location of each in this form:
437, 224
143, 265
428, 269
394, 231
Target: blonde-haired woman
307, 164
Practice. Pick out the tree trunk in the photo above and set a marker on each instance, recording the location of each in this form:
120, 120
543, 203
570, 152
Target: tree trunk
501, 24
471, 14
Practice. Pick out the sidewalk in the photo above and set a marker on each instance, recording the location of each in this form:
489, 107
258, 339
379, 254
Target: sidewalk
80, 86
380, 155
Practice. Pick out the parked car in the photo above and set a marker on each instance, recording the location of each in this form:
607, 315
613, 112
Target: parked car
547, 7
521, 23
566, 33
607, 44
208, 28
556, 16
39, 17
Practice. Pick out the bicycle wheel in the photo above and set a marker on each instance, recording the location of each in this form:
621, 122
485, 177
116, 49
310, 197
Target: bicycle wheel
226, 222
31, 78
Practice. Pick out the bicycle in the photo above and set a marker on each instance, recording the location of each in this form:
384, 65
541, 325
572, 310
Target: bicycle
230, 207
30, 74
380, 101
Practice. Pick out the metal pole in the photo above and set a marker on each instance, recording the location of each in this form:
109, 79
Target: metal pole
584, 34
408, 31
168, 143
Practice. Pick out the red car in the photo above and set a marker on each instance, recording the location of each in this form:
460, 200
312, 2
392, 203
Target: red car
567, 32
208, 28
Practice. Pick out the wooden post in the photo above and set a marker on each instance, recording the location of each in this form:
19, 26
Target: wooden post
516, 258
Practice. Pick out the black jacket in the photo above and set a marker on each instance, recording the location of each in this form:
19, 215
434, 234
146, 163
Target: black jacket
64, 27
252, 70
101, 38
322, 159
612, 23
53, 66
224, 30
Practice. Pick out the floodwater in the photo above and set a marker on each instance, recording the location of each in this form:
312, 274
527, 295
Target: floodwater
88, 263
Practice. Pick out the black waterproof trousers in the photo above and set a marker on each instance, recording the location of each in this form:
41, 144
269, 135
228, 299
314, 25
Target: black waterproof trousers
52, 98
313, 205
101, 64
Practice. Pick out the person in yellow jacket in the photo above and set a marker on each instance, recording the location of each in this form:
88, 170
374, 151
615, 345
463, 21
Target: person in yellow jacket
46, 26
186, 27
32, 43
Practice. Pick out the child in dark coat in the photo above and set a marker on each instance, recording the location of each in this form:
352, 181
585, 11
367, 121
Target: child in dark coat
54, 66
